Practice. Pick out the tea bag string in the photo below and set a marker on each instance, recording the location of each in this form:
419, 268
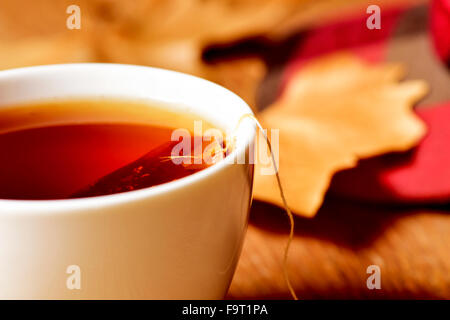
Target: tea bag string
286, 207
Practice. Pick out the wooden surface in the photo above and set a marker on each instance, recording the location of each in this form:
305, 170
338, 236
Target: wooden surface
330, 253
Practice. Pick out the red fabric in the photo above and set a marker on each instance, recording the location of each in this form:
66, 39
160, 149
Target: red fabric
419, 176
440, 28
351, 35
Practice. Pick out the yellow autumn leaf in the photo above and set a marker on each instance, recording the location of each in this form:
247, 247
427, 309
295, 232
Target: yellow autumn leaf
335, 111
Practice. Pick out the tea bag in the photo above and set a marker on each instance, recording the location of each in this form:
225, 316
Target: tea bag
155, 167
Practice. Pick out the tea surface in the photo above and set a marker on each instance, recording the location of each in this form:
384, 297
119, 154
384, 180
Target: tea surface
70, 149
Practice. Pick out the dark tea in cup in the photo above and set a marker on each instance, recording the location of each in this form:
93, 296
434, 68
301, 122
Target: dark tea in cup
84, 148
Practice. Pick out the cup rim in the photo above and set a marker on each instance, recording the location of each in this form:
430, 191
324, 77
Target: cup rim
33, 207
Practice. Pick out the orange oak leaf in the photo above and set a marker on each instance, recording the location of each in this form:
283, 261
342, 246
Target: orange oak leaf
241, 75
333, 112
170, 34
55, 49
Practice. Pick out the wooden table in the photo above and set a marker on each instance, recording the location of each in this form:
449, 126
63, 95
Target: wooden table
330, 253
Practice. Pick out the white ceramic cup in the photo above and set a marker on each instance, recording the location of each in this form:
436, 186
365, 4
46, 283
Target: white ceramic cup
179, 240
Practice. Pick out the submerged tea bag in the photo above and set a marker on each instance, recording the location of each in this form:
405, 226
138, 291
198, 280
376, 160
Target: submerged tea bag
158, 166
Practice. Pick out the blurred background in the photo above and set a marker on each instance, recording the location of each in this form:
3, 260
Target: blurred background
255, 48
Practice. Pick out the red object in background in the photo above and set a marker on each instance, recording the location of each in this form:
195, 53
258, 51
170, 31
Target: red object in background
419, 176
349, 34
440, 28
